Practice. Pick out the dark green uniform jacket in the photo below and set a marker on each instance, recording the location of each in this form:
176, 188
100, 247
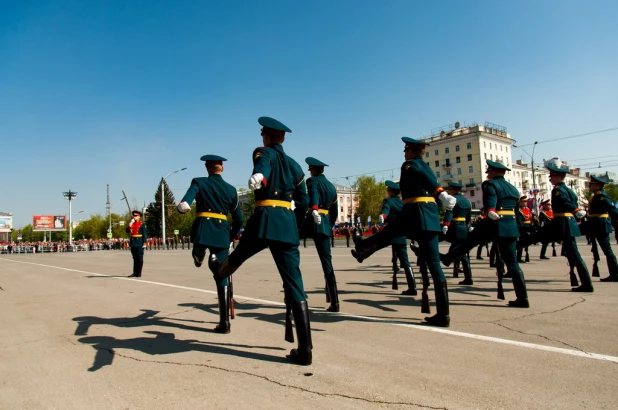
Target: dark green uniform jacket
563, 201
600, 213
284, 181
392, 207
418, 180
213, 194
137, 230
499, 195
458, 229
322, 195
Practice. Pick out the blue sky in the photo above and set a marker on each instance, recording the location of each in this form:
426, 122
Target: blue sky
123, 92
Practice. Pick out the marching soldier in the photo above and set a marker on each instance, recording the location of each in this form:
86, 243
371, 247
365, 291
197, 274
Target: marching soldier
137, 230
323, 215
545, 217
214, 199
499, 201
276, 180
391, 208
418, 220
599, 226
456, 222
523, 216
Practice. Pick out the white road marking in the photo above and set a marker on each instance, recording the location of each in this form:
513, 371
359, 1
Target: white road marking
534, 346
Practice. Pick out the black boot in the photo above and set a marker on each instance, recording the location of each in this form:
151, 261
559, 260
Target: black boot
519, 283
224, 310
441, 318
197, 261
612, 266
411, 291
520, 251
357, 237
584, 278
221, 270
465, 263
302, 355
331, 288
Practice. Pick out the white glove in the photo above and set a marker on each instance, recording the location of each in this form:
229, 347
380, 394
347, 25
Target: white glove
255, 182
444, 229
317, 218
493, 216
144, 246
448, 201
131, 222
580, 214
470, 229
381, 218
183, 207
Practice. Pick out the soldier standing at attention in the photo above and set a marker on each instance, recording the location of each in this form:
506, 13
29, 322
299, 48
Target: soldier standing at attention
277, 180
418, 220
323, 215
599, 225
346, 233
391, 208
499, 201
545, 217
214, 199
456, 222
137, 230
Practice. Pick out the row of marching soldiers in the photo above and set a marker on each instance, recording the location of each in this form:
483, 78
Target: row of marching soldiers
277, 180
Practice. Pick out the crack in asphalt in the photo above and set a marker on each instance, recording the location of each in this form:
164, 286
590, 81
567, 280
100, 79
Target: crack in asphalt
268, 379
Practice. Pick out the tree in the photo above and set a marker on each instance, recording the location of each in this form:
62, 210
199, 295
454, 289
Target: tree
612, 192
172, 218
247, 206
371, 195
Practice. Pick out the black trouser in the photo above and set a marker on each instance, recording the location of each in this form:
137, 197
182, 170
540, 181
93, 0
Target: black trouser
221, 253
465, 260
612, 264
569, 247
138, 259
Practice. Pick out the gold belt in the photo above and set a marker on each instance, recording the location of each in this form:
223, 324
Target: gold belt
526, 222
459, 219
599, 215
211, 215
564, 214
274, 203
506, 212
136, 236
323, 211
419, 199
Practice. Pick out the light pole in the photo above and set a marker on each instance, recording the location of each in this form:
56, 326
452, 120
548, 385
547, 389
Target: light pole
70, 195
534, 191
163, 204
351, 203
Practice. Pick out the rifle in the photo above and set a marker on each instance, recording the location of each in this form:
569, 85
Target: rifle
500, 273
553, 249
425, 308
232, 315
597, 258
395, 285
456, 269
289, 334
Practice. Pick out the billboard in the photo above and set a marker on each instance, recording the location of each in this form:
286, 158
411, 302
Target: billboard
49, 223
6, 223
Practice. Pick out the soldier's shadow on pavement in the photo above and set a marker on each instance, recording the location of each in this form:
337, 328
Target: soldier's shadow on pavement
166, 343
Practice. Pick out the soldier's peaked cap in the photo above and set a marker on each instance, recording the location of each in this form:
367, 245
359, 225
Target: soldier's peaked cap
496, 165
212, 158
600, 180
546, 201
409, 140
555, 170
273, 124
314, 162
523, 198
454, 185
392, 185
137, 212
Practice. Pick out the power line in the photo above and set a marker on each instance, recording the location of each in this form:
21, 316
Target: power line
570, 136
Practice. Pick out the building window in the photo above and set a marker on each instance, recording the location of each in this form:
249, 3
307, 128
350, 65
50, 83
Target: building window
472, 192
490, 145
456, 148
491, 157
469, 157
446, 150
447, 162
506, 149
458, 171
427, 163
427, 155
438, 174
472, 180
459, 182
437, 164
469, 145
458, 160
484, 144
485, 155
436, 153
500, 147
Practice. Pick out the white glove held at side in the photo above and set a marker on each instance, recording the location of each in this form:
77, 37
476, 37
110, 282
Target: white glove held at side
444, 229
381, 218
255, 182
580, 214
493, 216
183, 207
448, 201
317, 218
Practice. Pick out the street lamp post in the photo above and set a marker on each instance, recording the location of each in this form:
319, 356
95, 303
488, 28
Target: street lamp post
70, 195
163, 204
351, 203
534, 191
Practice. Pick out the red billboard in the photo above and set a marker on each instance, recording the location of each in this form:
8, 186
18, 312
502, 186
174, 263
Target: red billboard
49, 223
